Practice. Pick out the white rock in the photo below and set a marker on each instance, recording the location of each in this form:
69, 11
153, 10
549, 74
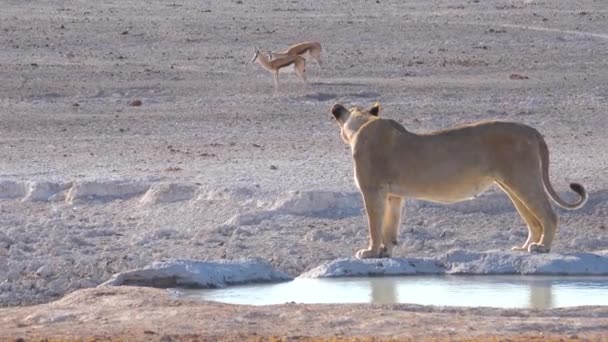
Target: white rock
468, 262
304, 203
168, 193
314, 203
44, 271
249, 219
12, 189
44, 191
237, 193
373, 267
203, 274
108, 190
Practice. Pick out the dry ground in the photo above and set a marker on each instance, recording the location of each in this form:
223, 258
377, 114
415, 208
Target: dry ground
144, 314
70, 68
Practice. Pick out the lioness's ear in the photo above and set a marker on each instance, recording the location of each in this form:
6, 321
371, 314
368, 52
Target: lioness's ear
339, 111
375, 109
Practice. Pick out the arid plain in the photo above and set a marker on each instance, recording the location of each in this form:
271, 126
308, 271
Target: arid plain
210, 136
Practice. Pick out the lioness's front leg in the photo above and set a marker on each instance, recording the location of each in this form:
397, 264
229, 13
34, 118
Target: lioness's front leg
375, 201
390, 229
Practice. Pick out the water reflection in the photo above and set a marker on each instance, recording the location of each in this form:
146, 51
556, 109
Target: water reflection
496, 291
383, 292
541, 296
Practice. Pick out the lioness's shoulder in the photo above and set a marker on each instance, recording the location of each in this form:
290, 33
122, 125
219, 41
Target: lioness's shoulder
385, 125
394, 124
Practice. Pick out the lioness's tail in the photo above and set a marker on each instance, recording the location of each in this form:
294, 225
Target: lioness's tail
579, 189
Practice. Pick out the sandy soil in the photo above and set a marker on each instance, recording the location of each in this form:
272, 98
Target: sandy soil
145, 314
209, 127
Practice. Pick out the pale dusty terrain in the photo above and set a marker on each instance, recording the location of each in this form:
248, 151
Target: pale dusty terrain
145, 314
211, 166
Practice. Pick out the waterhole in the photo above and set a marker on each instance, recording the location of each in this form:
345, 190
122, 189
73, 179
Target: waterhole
535, 292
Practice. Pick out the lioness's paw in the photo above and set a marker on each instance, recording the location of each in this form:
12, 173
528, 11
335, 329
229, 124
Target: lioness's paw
385, 252
519, 249
366, 254
538, 248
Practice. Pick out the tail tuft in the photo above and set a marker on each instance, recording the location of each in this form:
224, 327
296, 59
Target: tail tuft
580, 190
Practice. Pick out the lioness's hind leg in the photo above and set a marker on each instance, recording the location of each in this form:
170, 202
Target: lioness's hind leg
534, 226
391, 222
374, 201
532, 193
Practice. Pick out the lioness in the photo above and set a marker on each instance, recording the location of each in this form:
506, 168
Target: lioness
447, 166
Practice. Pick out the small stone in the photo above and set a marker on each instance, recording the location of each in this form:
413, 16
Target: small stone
272, 167
81, 284
44, 271
135, 103
57, 287
518, 77
5, 241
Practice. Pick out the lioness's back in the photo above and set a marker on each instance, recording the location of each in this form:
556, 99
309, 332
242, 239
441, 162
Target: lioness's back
387, 132
486, 127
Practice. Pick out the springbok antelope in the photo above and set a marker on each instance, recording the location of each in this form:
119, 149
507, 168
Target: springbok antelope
313, 49
274, 65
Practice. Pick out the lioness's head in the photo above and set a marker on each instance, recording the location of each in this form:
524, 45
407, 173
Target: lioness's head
350, 120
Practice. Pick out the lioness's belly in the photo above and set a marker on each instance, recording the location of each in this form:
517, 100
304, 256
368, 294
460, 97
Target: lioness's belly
450, 190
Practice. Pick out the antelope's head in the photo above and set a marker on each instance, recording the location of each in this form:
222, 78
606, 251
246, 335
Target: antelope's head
256, 54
